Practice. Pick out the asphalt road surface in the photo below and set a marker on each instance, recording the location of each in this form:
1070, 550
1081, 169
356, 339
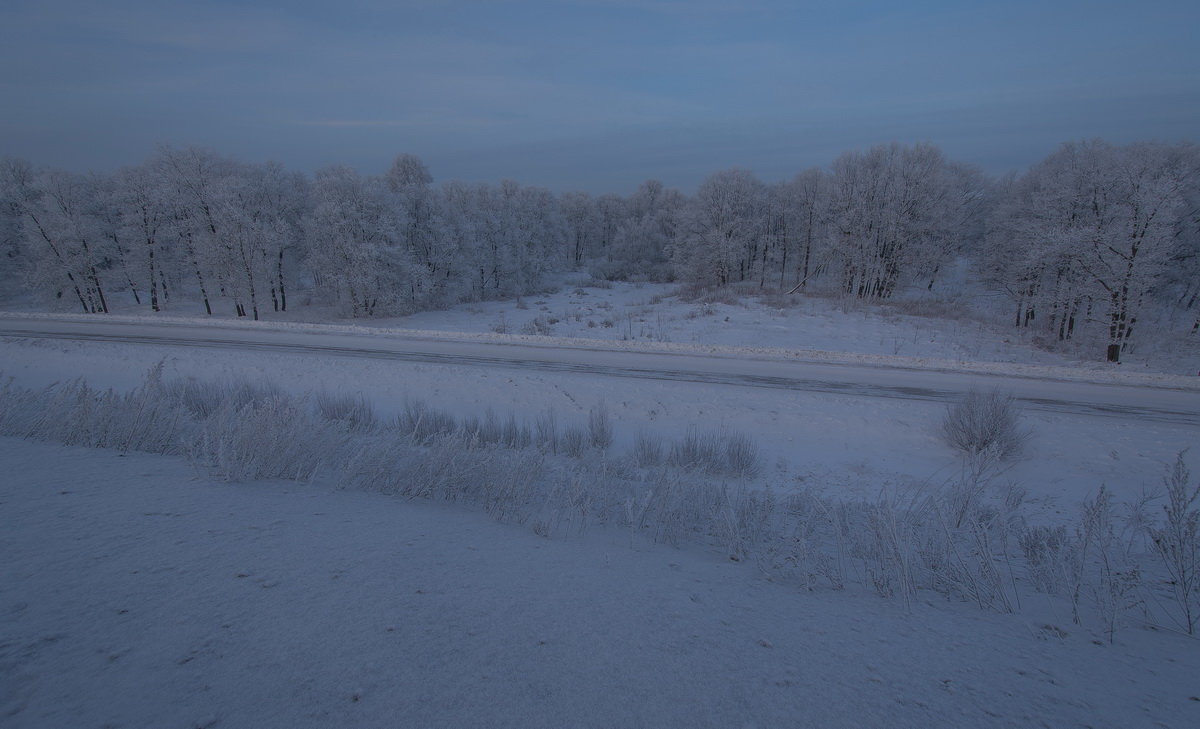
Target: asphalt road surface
1137, 402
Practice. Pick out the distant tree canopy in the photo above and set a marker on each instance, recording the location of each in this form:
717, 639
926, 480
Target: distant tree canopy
1094, 232
1088, 241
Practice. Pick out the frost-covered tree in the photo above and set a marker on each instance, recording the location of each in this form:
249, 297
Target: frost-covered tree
582, 217
280, 200
804, 246
611, 213
494, 253
508, 236
457, 222
407, 171
414, 203
68, 252
1182, 289
1023, 260
966, 208
12, 255
643, 241
542, 233
1092, 232
231, 225
107, 221
194, 180
257, 207
721, 230
350, 243
144, 220
896, 212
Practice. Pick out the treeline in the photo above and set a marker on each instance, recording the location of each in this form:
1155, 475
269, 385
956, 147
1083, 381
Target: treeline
1082, 245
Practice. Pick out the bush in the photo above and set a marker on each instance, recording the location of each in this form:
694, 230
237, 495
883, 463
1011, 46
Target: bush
719, 453
600, 429
1177, 543
574, 441
352, 412
547, 431
958, 541
696, 452
202, 398
985, 423
144, 419
538, 326
741, 455
421, 423
647, 450
273, 438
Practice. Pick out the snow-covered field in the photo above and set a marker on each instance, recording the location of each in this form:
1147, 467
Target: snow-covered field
140, 593
656, 313
950, 331
848, 443
370, 611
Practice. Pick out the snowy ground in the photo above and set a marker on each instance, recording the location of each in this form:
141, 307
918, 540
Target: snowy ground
951, 331
842, 443
138, 593
356, 609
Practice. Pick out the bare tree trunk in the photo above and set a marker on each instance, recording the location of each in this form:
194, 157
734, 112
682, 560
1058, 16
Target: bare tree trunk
808, 241
1116, 329
783, 267
162, 280
279, 278
62, 261
94, 276
153, 282
125, 270
203, 291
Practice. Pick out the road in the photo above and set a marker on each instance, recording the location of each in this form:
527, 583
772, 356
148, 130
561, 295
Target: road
1161, 404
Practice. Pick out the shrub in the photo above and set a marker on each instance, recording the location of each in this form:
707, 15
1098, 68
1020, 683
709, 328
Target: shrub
352, 412
202, 398
516, 435
273, 438
1177, 543
421, 423
741, 455
985, 423
600, 429
547, 431
647, 450
732, 454
144, 419
488, 430
696, 451
956, 541
574, 441
539, 326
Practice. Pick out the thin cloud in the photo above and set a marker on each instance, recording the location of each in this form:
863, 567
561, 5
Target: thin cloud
351, 123
172, 25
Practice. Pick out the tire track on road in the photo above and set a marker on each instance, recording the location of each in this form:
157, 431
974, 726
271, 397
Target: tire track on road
802, 384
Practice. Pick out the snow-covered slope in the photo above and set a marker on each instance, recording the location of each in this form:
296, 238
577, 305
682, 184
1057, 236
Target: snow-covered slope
139, 593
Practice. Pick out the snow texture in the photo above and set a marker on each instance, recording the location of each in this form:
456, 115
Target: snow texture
139, 593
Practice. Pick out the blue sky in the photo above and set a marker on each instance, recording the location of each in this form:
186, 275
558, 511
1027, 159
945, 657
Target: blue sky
591, 95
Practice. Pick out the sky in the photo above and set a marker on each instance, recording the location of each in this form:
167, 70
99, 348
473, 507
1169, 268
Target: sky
589, 95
